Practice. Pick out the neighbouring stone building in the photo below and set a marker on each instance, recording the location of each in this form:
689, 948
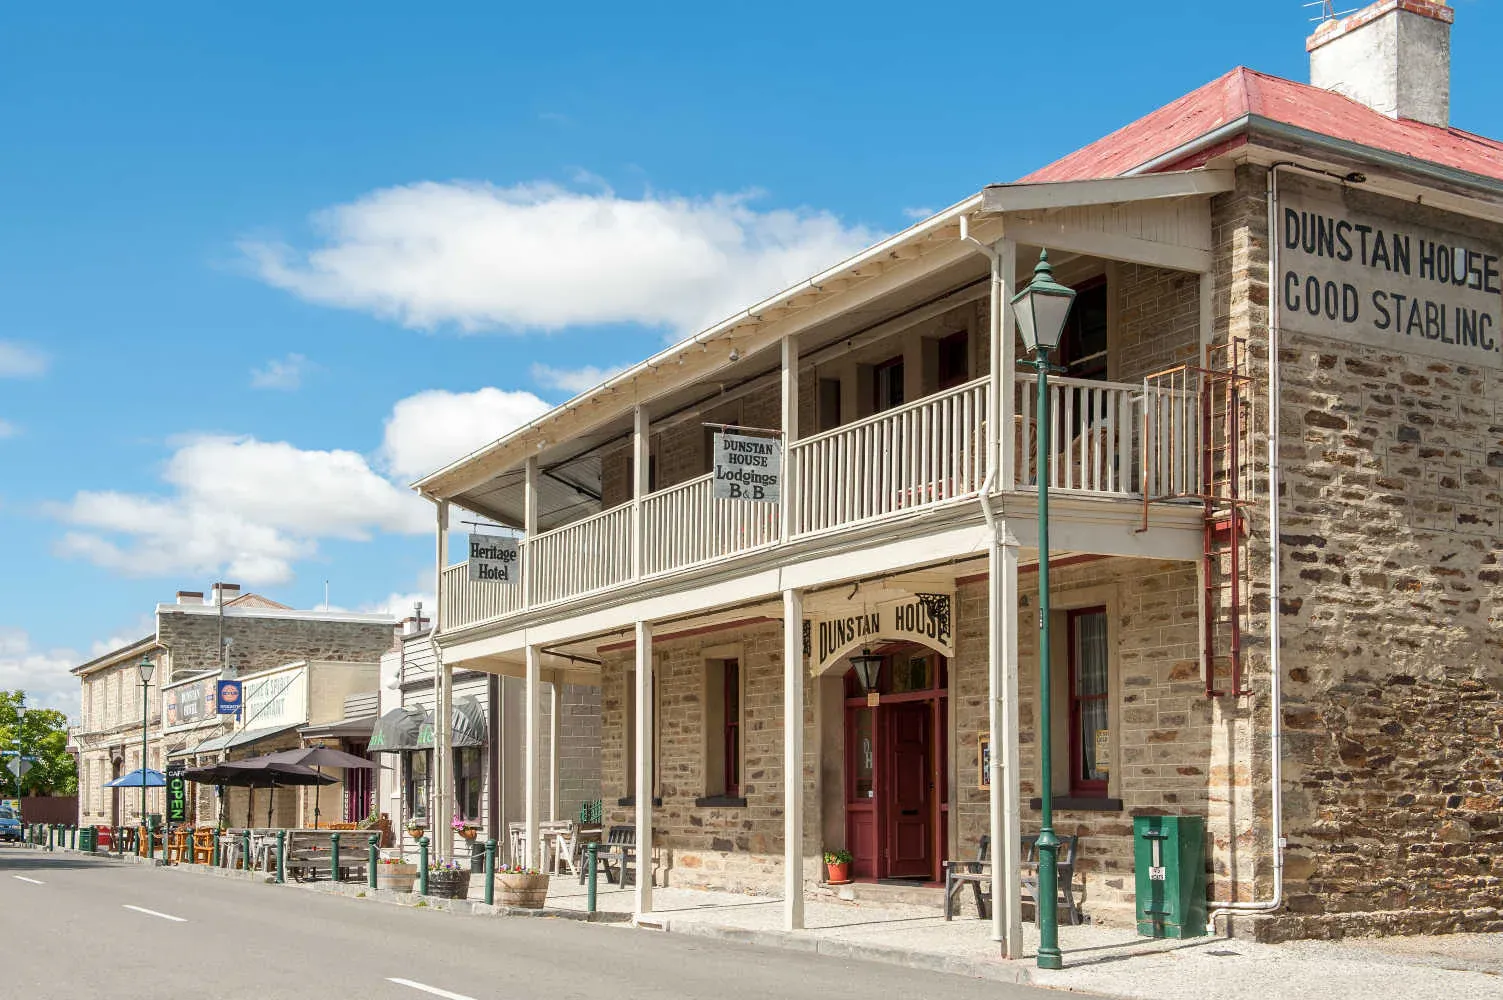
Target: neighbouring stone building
309, 663
1276, 502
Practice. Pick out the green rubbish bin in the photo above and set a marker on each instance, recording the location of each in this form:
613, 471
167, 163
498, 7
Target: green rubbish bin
86, 839
1170, 862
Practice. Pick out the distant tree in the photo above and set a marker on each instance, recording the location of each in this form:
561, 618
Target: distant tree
44, 736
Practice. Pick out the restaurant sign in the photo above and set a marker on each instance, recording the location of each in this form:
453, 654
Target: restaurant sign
495, 558
922, 618
747, 467
186, 704
278, 699
177, 792
1389, 284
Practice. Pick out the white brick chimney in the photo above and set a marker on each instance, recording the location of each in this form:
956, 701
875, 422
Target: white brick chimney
1393, 55
190, 597
224, 593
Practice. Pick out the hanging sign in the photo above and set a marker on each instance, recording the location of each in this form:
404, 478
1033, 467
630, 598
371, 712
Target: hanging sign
187, 703
922, 618
495, 558
748, 467
227, 697
1392, 284
177, 793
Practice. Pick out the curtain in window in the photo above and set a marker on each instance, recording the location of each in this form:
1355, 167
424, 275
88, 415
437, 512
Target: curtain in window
1091, 689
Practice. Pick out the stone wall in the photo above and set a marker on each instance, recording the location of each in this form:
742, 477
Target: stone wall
578, 748
262, 642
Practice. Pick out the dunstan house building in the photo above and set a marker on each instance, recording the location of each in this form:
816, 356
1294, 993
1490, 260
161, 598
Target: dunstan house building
1276, 431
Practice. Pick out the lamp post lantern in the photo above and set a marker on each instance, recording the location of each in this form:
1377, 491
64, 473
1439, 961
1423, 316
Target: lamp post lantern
1041, 309
146, 668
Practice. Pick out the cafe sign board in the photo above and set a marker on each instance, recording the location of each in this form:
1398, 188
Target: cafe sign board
1359, 276
177, 792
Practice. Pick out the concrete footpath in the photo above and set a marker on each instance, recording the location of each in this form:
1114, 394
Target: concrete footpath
1107, 960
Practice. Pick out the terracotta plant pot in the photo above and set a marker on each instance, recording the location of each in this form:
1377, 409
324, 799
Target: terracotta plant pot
449, 884
416, 831
470, 832
527, 891
838, 874
398, 877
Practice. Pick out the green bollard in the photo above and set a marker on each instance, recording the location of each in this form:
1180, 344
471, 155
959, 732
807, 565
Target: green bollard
490, 871
245, 859
373, 858
151, 840
214, 857
334, 858
422, 866
592, 852
281, 856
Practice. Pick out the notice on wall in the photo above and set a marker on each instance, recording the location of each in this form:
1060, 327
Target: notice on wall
748, 467
1103, 751
1394, 285
494, 558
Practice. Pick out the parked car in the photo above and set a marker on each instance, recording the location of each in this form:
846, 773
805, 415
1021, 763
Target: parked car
10, 824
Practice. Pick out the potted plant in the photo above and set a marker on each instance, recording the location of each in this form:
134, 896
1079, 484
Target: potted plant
837, 867
416, 827
518, 885
449, 879
466, 828
394, 873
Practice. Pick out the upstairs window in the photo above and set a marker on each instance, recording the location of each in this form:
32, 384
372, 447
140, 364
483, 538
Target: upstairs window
887, 384
953, 363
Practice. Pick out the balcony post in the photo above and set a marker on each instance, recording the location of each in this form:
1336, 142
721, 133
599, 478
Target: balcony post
793, 760
1002, 735
641, 441
529, 530
646, 768
790, 434
442, 735
1004, 363
534, 854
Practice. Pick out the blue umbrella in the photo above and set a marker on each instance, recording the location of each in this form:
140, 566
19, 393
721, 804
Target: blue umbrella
139, 778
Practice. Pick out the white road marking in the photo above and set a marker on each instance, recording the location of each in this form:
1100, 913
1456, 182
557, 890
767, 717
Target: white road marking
429, 989
33, 881
154, 913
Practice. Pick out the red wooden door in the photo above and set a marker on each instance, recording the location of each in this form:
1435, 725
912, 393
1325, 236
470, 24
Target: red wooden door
907, 806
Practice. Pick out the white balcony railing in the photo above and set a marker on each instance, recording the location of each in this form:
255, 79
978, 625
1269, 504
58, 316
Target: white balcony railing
930, 450
685, 525
1106, 439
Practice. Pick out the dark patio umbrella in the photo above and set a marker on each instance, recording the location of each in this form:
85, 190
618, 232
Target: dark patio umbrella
319, 758
255, 773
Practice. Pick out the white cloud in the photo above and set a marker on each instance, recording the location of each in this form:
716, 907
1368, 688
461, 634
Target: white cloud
42, 674
573, 380
541, 256
8, 429
280, 373
427, 431
18, 360
239, 507
400, 605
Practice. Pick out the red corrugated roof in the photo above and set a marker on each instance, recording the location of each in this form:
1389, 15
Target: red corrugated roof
1244, 91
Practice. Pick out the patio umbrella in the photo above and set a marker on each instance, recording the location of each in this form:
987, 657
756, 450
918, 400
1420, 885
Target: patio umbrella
319, 758
255, 773
139, 778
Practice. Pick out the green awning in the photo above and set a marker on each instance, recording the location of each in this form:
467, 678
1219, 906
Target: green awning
397, 730
467, 722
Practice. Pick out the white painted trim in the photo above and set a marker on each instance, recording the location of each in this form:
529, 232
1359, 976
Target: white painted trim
1110, 245
793, 761
348, 617
644, 787
1106, 191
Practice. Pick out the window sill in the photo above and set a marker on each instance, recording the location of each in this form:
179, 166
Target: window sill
723, 801
631, 800
1080, 803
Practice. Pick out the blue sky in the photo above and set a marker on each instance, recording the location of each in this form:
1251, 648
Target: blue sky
262, 265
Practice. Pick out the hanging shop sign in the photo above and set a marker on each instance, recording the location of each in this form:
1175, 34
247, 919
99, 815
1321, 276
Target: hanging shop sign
1359, 276
177, 792
922, 618
495, 558
748, 467
227, 697
277, 699
186, 704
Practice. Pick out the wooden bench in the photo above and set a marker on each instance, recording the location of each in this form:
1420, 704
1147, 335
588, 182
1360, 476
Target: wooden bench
959, 874
617, 856
310, 855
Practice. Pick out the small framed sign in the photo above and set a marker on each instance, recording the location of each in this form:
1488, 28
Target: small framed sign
227, 698
983, 761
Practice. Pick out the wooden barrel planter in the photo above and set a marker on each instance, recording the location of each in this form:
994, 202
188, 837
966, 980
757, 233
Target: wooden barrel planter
449, 884
527, 891
399, 877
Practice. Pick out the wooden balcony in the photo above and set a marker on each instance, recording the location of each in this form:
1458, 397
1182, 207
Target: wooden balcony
1108, 440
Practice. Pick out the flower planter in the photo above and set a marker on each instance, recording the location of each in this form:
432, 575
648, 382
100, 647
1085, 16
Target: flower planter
398, 877
449, 884
416, 831
527, 891
838, 874
469, 832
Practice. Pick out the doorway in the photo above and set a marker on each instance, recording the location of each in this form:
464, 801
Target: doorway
896, 789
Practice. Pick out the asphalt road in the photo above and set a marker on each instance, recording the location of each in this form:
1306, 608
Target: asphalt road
78, 927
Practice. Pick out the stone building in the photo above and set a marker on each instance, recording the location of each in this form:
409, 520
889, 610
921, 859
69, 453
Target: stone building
488, 718
1276, 484
318, 659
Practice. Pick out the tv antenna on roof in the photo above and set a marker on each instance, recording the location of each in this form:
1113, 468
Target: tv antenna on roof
1328, 11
